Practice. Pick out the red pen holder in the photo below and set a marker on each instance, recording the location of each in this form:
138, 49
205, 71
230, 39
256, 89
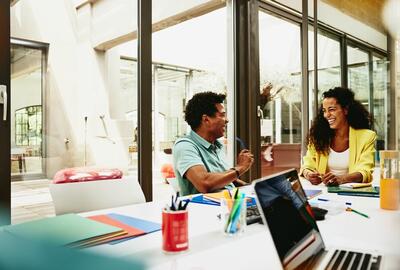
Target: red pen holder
175, 230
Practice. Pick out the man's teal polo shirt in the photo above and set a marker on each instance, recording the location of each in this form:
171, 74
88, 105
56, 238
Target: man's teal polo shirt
193, 150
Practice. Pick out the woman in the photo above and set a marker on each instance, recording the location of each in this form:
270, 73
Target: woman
340, 145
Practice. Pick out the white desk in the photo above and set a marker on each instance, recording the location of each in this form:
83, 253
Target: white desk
210, 249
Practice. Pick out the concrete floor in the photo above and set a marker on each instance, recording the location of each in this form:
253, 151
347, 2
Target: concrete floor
31, 199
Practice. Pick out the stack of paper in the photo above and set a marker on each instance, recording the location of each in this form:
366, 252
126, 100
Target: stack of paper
65, 230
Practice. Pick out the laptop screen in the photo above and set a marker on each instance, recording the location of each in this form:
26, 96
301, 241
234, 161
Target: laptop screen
289, 218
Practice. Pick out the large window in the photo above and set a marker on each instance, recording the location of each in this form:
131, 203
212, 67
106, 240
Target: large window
280, 77
367, 77
181, 67
380, 99
28, 126
358, 73
329, 70
193, 54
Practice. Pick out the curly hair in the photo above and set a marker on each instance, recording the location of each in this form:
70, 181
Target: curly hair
321, 135
200, 104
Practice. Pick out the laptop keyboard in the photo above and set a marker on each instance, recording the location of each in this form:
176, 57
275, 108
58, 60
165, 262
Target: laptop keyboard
252, 215
343, 259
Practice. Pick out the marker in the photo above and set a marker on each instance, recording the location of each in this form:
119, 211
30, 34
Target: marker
326, 200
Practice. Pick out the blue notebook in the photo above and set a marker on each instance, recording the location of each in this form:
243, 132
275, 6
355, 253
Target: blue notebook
201, 200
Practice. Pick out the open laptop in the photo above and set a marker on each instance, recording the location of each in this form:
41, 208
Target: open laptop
285, 210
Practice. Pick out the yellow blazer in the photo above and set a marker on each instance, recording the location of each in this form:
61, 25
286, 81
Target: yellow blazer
362, 158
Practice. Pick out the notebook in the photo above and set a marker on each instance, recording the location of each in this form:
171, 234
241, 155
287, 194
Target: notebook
311, 193
362, 191
282, 201
70, 229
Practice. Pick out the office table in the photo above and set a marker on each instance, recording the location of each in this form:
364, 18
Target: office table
209, 248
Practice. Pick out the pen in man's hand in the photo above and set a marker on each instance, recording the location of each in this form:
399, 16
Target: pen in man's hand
241, 143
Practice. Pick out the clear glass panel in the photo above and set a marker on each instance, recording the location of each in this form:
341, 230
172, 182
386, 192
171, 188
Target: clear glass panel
280, 76
26, 112
86, 91
358, 74
329, 73
189, 65
380, 99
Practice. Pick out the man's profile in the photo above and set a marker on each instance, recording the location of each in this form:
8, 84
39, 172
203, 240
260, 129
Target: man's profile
199, 159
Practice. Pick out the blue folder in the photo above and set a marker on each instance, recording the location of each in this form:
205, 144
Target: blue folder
141, 224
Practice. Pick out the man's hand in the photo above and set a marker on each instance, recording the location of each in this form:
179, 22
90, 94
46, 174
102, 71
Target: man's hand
314, 177
244, 161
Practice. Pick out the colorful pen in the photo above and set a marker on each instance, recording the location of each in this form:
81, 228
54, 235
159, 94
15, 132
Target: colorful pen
357, 212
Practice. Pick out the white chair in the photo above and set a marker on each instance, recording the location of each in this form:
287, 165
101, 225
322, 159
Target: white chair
94, 195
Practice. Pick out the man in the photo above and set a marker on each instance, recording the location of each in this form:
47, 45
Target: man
199, 160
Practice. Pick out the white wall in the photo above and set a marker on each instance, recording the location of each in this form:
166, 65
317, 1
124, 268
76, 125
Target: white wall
77, 84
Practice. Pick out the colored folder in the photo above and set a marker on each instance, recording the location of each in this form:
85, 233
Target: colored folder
140, 224
70, 229
131, 231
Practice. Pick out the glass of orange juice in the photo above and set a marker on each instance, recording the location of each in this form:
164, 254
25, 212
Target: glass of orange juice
390, 179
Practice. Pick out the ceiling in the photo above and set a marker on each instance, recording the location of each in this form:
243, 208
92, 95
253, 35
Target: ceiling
13, 2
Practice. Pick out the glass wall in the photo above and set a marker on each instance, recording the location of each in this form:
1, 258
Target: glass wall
194, 57
358, 73
182, 66
280, 80
380, 98
368, 78
329, 70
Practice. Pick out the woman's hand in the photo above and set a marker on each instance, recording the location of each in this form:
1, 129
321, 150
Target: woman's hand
313, 177
330, 179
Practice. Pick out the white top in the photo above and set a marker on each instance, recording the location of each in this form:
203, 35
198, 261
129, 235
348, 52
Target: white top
338, 162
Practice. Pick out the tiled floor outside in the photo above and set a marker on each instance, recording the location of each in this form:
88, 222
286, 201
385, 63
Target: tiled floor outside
31, 200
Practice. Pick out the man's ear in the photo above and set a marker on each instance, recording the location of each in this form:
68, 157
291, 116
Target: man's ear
204, 118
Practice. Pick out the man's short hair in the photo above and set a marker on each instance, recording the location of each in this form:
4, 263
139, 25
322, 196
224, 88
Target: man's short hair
200, 104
